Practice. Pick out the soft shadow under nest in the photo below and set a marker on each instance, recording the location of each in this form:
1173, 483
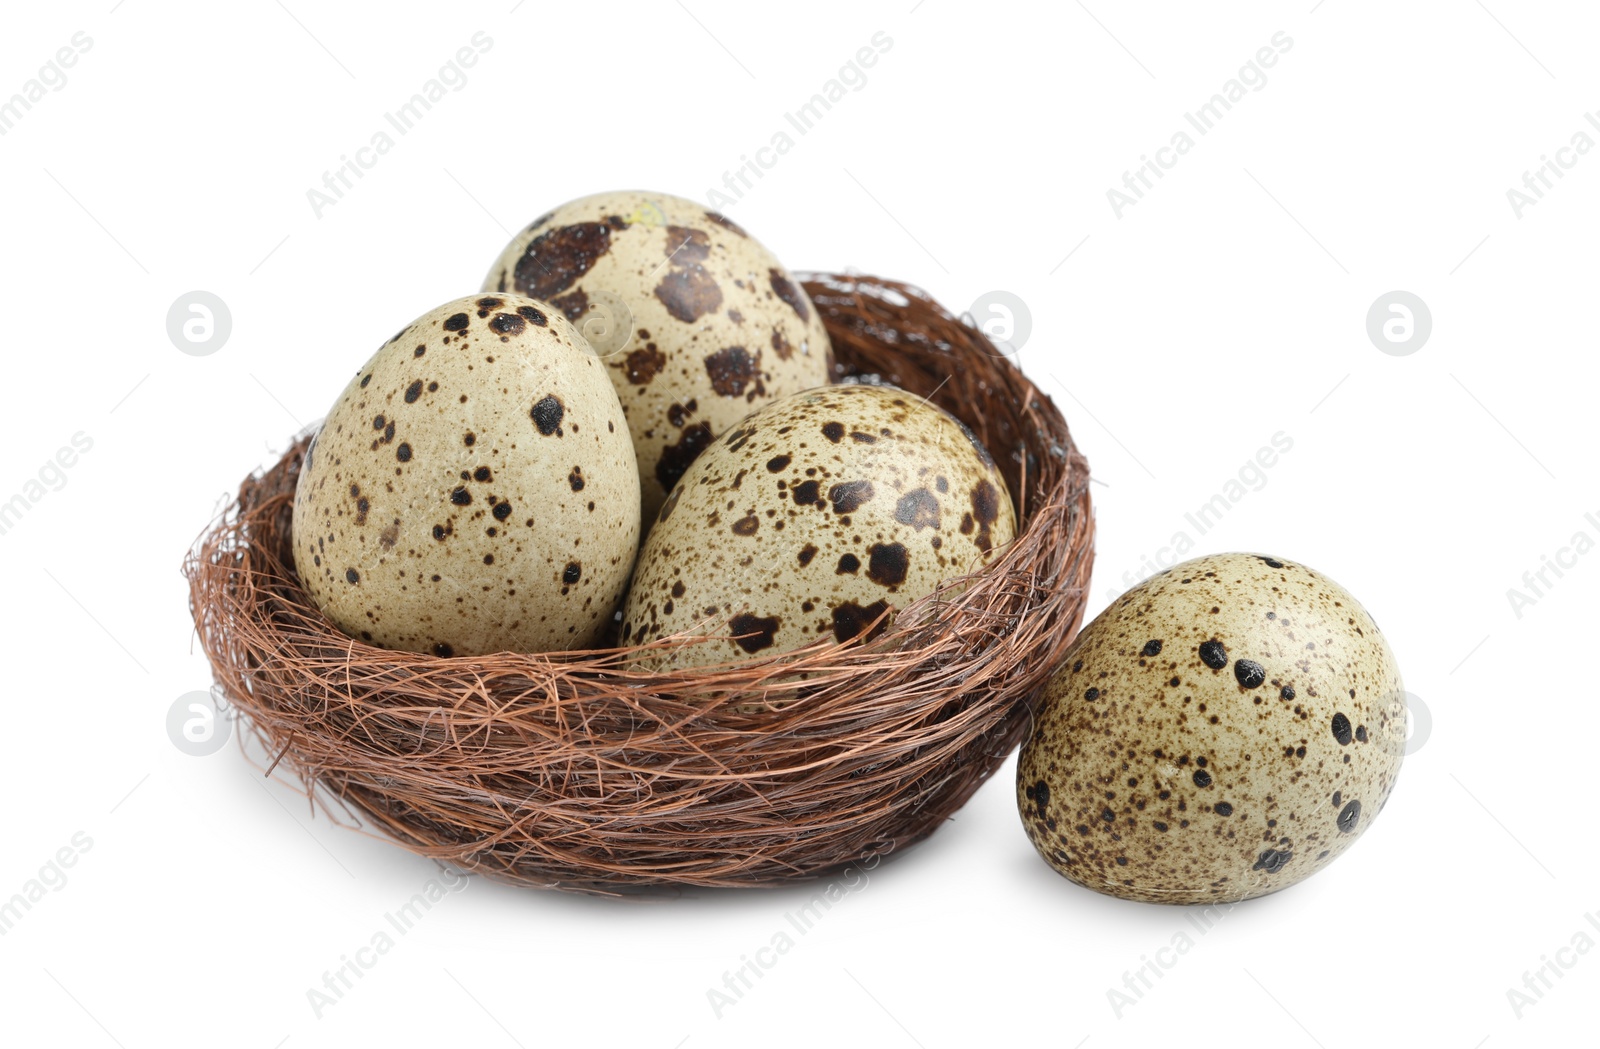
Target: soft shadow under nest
566, 770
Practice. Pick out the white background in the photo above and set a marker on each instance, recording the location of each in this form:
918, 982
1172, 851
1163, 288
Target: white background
1227, 305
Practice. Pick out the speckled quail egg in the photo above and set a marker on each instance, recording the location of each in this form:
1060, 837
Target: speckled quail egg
697, 322
812, 518
1223, 730
473, 489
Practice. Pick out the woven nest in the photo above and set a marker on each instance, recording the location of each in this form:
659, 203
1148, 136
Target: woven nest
567, 770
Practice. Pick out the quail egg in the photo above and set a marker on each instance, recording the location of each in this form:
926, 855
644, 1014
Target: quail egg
473, 489
697, 322
816, 517
1223, 730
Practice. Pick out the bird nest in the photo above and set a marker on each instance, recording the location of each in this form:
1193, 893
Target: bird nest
570, 770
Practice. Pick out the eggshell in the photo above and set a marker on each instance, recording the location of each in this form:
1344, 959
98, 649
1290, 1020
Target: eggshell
812, 518
698, 323
1223, 730
473, 489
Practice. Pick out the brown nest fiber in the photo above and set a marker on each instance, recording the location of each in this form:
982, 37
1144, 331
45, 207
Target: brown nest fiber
567, 770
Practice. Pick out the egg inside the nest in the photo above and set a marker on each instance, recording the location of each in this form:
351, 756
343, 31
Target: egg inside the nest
816, 517
697, 322
1223, 730
473, 489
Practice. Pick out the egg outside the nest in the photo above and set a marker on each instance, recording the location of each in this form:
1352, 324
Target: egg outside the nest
473, 489
816, 517
1224, 730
